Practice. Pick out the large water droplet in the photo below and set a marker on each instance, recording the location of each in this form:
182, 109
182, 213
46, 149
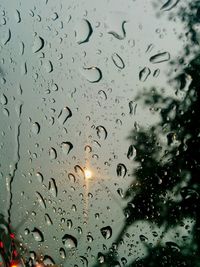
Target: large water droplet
131, 154
52, 153
83, 31
48, 66
41, 200
144, 73
17, 16
35, 128
169, 5
6, 37
65, 113
159, 58
3, 99
38, 235
38, 44
106, 232
119, 35
62, 253
101, 132
53, 187
66, 147
48, 261
80, 172
121, 170
118, 61
39, 177
48, 219
69, 241
92, 74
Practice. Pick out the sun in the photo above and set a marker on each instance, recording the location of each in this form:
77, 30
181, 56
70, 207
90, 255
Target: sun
88, 174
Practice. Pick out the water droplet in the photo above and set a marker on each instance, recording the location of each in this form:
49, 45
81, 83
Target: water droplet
106, 232
143, 238
69, 241
101, 132
52, 153
17, 16
84, 261
48, 66
156, 73
72, 177
118, 35
3, 99
53, 187
120, 192
159, 58
41, 200
6, 37
83, 31
102, 94
35, 128
118, 61
101, 257
92, 74
69, 224
169, 5
48, 261
121, 170
131, 154
144, 73
38, 235
48, 219
80, 172
66, 147
62, 253
38, 44
65, 113
39, 177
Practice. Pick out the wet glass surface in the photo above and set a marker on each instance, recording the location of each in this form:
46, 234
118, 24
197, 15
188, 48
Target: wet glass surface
99, 131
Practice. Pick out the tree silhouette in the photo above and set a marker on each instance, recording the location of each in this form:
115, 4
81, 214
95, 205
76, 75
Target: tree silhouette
167, 186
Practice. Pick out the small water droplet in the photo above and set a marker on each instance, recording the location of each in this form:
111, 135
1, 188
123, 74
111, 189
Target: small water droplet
159, 58
106, 232
118, 61
144, 73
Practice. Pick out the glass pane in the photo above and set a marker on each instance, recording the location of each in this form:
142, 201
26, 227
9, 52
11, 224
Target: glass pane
99, 132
